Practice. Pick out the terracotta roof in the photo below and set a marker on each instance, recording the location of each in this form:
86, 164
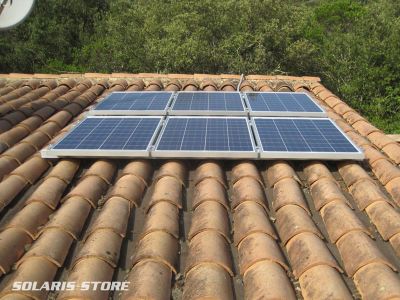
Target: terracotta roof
192, 229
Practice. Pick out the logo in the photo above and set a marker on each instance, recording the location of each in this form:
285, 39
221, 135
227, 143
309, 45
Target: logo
56, 286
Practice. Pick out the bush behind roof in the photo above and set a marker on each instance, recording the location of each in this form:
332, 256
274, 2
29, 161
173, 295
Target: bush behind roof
352, 45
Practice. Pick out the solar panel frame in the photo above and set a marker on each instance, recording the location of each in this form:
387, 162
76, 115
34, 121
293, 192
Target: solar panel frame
200, 154
283, 113
132, 112
206, 112
50, 152
303, 155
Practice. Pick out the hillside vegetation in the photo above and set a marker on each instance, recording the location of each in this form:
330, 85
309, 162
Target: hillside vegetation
354, 46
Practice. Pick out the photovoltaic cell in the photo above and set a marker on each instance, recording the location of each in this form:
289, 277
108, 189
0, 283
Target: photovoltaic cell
198, 137
283, 104
109, 134
137, 103
312, 138
210, 103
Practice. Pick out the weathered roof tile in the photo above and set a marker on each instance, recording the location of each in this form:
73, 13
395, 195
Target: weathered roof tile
209, 216
209, 247
157, 246
149, 280
358, 250
209, 190
249, 218
268, 280
248, 189
245, 169
88, 270
306, 250
287, 192
323, 282
167, 189
292, 220
162, 216
208, 281
377, 281
259, 247
209, 170
339, 220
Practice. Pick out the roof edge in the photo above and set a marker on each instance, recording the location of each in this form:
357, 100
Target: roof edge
159, 76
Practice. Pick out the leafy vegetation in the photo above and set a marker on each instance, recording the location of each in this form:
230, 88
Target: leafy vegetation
352, 45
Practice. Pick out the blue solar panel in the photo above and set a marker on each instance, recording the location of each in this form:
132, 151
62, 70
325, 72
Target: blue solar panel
134, 102
302, 135
111, 133
215, 134
208, 103
282, 104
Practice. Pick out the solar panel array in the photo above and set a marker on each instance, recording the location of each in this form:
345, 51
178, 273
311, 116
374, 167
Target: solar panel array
206, 125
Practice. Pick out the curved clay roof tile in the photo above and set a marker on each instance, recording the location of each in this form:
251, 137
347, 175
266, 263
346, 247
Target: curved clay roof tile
173, 85
136, 85
190, 85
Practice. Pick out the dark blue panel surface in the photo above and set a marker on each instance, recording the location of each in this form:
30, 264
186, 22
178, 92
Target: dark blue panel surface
282, 102
114, 133
208, 101
301, 135
206, 134
135, 101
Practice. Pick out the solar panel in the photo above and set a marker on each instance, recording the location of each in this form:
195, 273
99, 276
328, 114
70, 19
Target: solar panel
301, 138
208, 103
134, 103
195, 137
282, 104
108, 136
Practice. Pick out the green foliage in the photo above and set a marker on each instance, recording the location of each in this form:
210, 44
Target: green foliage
352, 45
359, 57
55, 31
